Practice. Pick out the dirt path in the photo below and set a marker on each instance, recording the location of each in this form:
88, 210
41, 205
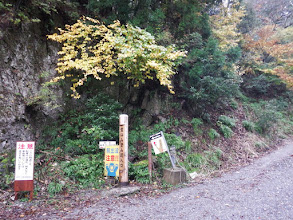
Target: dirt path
262, 190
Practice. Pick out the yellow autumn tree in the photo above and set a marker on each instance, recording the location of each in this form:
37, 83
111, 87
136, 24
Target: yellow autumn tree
224, 25
97, 50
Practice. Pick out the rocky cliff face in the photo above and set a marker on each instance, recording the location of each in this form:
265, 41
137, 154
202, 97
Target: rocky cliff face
24, 56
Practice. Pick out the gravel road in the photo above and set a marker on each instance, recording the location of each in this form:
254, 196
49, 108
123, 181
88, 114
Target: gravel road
262, 190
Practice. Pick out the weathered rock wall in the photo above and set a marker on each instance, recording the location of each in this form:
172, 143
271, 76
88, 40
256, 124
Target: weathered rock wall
24, 55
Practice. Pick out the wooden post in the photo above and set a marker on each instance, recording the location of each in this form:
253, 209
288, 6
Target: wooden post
150, 160
24, 185
123, 150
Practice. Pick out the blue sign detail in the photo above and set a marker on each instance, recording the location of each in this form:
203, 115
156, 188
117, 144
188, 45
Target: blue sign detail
112, 168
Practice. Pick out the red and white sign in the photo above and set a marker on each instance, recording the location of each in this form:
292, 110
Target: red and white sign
24, 163
159, 143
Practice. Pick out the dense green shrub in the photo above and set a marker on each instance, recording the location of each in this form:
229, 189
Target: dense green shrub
262, 85
155, 16
139, 171
79, 130
87, 170
209, 78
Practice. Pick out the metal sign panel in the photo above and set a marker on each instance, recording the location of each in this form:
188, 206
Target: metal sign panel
24, 163
159, 143
111, 160
103, 144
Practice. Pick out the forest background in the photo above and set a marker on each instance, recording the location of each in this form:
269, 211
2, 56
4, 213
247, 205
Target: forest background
215, 76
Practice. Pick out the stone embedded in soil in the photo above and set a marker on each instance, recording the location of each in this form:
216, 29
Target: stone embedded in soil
121, 191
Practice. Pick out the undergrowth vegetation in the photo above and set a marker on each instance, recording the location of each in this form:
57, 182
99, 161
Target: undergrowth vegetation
68, 156
227, 108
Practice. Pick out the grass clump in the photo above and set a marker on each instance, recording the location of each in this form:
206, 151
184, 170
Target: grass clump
226, 131
213, 134
225, 120
196, 123
248, 125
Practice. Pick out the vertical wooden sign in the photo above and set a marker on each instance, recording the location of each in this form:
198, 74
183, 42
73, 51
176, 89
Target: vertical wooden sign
123, 150
24, 167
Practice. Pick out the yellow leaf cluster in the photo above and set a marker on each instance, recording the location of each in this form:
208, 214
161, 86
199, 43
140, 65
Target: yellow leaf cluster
95, 49
224, 26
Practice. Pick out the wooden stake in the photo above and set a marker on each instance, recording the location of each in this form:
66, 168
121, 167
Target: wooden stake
123, 150
150, 159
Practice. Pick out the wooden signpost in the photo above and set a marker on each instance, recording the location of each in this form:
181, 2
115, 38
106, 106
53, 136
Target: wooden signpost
24, 167
123, 150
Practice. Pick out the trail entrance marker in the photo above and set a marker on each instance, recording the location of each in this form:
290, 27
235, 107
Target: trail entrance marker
123, 150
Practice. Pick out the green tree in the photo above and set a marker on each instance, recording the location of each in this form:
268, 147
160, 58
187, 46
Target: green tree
209, 76
175, 18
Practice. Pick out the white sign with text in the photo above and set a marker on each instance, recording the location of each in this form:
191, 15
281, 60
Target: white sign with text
159, 143
24, 163
103, 144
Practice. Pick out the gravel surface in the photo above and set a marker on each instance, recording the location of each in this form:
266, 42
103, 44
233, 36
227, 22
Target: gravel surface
262, 190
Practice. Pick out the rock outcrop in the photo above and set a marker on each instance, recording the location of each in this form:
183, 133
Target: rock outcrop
25, 55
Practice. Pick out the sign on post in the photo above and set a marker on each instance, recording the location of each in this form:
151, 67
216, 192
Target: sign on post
103, 144
160, 145
111, 161
24, 163
24, 167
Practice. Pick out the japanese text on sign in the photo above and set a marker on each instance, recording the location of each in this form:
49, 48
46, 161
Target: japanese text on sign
111, 160
121, 148
24, 163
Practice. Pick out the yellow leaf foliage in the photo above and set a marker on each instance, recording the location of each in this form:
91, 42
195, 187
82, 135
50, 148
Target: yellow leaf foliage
224, 25
95, 49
